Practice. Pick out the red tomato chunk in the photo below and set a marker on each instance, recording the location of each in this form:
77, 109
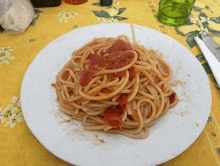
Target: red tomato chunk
122, 100
67, 73
121, 109
105, 90
86, 77
113, 118
119, 45
172, 98
116, 59
97, 60
132, 72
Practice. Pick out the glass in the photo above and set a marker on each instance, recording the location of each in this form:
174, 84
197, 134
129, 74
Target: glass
174, 12
75, 2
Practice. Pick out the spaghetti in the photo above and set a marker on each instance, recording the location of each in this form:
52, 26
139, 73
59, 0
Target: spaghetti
115, 86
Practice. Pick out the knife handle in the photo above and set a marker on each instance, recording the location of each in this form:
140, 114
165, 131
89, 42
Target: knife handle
214, 64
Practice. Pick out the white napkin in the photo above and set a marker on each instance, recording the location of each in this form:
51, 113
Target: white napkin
210, 58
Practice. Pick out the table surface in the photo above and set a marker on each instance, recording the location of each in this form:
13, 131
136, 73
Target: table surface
18, 146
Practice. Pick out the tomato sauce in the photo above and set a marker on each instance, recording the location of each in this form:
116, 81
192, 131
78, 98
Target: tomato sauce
86, 77
172, 98
132, 72
97, 60
113, 118
122, 100
119, 45
105, 90
130, 117
119, 60
121, 109
53, 85
67, 73
116, 59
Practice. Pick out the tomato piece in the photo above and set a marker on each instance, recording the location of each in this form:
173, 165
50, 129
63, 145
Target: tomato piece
113, 118
121, 74
132, 72
97, 60
122, 100
116, 59
119, 45
172, 97
121, 108
67, 73
105, 90
86, 77
130, 117
114, 55
119, 61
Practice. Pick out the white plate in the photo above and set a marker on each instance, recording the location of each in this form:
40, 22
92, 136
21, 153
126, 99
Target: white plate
169, 136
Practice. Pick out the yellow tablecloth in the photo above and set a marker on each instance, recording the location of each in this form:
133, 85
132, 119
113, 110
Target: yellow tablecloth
18, 146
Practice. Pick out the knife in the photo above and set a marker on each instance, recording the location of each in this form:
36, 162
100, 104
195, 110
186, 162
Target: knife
212, 60
211, 44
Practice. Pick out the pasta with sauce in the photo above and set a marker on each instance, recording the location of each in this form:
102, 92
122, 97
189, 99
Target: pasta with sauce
115, 86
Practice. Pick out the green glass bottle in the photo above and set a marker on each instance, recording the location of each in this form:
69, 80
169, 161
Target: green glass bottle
174, 12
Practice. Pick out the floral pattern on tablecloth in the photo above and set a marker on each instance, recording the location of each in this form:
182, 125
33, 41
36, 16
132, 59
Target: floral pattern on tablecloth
5, 55
209, 119
111, 14
18, 145
218, 151
12, 113
199, 22
31, 40
205, 65
65, 16
36, 17
211, 129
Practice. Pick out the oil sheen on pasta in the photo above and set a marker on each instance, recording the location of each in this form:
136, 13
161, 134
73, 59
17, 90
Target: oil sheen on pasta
115, 86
